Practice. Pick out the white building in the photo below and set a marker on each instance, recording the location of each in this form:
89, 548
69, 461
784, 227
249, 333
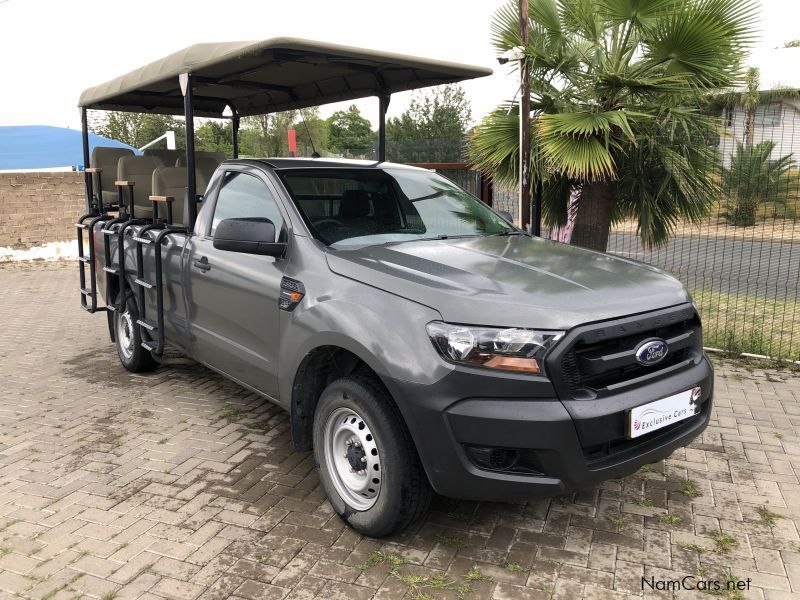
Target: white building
777, 120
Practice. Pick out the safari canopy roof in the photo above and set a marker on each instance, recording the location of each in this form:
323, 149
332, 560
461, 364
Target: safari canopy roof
270, 76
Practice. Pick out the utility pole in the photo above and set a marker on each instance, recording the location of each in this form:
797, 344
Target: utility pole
524, 125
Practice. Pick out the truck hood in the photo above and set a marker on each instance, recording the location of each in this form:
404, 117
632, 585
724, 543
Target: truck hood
512, 281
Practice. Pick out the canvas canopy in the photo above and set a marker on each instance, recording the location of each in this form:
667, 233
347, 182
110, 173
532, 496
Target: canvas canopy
269, 76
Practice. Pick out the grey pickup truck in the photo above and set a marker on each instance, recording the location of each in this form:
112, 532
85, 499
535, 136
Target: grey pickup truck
419, 341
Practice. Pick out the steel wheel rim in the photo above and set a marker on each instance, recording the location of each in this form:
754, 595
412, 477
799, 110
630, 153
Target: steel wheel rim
125, 336
349, 442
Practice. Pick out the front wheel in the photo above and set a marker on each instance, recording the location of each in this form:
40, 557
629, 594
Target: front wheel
129, 342
367, 461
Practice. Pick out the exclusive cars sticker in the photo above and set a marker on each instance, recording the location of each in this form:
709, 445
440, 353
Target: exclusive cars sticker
656, 415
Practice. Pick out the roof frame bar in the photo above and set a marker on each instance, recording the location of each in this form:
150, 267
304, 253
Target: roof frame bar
186, 82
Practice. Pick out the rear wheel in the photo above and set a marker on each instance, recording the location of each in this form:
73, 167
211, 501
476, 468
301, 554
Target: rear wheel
367, 461
129, 342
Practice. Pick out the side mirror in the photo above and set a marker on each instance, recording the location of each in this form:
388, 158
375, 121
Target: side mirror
254, 235
506, 215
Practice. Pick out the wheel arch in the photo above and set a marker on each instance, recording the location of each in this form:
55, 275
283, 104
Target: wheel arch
316, 370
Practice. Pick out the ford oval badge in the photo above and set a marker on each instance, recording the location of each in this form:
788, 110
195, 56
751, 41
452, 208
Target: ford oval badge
651, 352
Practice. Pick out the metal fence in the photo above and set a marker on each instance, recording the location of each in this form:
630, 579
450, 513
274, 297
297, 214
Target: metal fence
742, 261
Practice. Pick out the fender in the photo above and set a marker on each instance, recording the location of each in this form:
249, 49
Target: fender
362, 330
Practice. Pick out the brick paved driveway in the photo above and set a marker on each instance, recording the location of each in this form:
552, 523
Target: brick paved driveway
181, 485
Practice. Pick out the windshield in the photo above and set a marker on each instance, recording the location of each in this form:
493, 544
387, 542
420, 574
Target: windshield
361, 207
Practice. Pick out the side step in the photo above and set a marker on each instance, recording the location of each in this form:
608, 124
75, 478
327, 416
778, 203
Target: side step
144, 283
147, 324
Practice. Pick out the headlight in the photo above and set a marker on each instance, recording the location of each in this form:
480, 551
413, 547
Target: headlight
494, 348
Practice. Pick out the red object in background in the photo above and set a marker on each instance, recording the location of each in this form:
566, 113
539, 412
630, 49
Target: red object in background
292, 142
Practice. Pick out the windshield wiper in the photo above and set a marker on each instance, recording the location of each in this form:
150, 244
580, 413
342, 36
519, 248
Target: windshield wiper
505, 233
442, 236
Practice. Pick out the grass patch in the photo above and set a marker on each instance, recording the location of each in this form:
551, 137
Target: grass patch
449, 541
545, 588
724, 542
739, 323
690, 489
668, 519
108, 596
4, 551
416, 584
513, 567
462, 517
644, 502
778, 435
695, 547
474, 574
463, 590
730, 588
769, 518
618, 520
378, 557
9, 524
233, 414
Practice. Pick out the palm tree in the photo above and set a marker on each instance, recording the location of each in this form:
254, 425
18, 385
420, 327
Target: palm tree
616, 91
754, 178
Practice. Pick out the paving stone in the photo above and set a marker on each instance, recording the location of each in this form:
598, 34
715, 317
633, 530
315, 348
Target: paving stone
90, 497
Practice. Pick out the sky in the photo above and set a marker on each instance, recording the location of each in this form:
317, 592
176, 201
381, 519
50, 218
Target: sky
51, 50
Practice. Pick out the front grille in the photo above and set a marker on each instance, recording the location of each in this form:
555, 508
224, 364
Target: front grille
599, 360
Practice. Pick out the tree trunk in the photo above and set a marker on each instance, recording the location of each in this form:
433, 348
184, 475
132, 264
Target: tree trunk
749, 126
593, 219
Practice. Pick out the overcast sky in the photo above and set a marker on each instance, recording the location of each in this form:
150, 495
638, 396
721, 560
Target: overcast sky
50, 50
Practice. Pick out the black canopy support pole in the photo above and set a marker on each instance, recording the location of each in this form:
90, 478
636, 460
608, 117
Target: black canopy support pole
235, 128
383, 105
87, 178
536, 218
188, 111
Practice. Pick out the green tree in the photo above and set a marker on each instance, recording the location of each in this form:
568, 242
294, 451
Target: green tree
350, 133
138, 129
433, 129
268, 135
753, 179
616, 91
214, 135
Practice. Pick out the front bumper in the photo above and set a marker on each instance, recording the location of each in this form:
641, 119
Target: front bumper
569, 444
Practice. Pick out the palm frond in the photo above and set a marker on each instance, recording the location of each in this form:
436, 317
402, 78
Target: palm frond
584, 158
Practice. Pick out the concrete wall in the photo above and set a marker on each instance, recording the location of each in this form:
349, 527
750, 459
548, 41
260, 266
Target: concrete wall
36, 208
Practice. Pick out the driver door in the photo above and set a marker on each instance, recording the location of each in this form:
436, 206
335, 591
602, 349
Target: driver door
232, 297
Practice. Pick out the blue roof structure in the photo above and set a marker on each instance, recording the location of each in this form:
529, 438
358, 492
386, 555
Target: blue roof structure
45, 147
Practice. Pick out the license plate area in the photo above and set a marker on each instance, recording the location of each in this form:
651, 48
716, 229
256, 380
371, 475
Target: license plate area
658, 414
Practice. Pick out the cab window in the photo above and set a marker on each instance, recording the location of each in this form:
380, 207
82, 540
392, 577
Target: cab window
245, 196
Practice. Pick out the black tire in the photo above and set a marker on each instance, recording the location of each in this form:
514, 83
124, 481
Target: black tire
133, 357
404, 494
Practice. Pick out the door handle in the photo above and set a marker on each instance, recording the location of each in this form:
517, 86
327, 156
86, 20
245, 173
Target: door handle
202, 264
